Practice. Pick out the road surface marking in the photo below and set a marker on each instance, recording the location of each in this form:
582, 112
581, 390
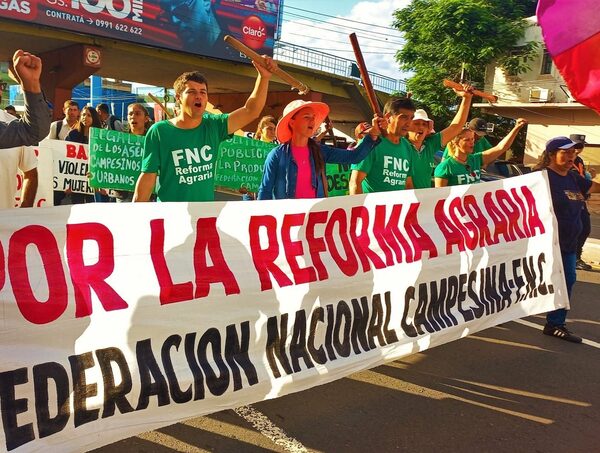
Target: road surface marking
591, 343
167, 441
268, 429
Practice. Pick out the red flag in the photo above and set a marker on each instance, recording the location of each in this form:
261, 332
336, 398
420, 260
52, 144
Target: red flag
571, 31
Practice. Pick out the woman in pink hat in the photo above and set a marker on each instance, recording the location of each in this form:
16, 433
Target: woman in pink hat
296, 168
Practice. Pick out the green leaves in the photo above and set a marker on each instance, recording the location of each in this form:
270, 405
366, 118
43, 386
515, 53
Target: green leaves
441, 35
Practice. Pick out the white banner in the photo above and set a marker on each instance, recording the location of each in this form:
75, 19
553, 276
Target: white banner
61, 164
122, 318
70, 163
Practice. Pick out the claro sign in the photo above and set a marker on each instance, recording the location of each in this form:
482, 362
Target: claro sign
179, 24
254, 32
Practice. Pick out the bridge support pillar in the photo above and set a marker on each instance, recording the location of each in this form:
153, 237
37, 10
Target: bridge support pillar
64, 69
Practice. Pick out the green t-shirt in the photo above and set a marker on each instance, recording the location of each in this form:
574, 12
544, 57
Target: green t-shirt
481, 145
458, 174
387, 166
185, 159
423, 161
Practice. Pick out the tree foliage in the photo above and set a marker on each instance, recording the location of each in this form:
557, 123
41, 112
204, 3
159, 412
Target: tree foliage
442, 35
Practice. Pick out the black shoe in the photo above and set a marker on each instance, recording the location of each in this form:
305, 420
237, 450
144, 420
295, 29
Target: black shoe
561, 332
582, 265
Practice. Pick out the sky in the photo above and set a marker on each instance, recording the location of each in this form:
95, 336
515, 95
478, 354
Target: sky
370, 20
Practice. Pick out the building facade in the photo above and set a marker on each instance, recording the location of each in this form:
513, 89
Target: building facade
542, 97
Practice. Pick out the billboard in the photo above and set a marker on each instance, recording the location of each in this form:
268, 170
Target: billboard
194, 26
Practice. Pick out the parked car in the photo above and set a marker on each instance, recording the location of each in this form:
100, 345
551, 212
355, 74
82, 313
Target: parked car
507, 168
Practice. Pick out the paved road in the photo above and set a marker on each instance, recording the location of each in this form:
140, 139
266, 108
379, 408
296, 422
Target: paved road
595, 234
508, 388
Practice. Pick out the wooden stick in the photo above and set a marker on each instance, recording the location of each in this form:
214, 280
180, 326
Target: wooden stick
160, 104
457, 86
329, 128
258, 59
364, 75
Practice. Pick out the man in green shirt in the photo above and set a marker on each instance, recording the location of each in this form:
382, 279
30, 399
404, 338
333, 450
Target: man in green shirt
425, 144
182, 152
388, 165
479, 127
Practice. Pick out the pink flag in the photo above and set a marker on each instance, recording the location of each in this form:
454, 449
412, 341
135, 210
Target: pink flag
571, 31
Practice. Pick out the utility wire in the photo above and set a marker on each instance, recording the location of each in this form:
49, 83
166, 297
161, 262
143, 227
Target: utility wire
366, 37
340, 42
346, 30
337, 17
341, 50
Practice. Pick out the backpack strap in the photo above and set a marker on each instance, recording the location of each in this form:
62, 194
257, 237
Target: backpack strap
59, 124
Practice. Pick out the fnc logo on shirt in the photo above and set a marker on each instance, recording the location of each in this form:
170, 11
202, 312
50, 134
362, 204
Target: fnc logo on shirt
117, 9
193, 165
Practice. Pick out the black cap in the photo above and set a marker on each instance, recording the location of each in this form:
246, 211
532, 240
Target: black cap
478, 125
578, 138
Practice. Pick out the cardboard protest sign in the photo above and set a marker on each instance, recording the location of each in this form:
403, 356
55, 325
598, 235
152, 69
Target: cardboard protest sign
338, 178
70, 165
115, 159
240, 163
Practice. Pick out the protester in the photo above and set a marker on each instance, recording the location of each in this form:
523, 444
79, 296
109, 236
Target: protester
579, 167
464, 167
389, 166
182, 152
15, 159
296, 168
34, 125
480, 127
12, 160
426, 142
11, 110
138, 120
60, 129
265, 131
361, 130
81, 132
568, 190
108, 120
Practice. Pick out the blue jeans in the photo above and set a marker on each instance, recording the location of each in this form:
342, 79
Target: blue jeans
559, 317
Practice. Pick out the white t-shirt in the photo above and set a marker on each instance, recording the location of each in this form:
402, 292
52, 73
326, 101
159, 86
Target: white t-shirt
64, 130
12, 160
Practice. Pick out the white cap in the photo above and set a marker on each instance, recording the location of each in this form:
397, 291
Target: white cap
421, 114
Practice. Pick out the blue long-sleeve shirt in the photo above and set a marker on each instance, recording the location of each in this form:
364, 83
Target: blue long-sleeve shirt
281, 170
